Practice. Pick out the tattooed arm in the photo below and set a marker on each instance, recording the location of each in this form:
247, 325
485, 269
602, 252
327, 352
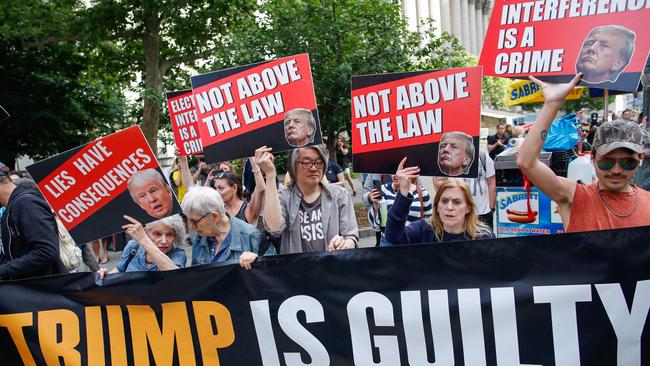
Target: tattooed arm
559, 189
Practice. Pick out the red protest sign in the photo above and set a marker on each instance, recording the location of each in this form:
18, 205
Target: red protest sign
607, 41
92, 186
243, 108
182, 116
431, 117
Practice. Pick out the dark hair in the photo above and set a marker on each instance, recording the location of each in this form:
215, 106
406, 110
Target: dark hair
232, 178
15, 172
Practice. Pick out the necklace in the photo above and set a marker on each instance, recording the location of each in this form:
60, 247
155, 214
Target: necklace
636, 204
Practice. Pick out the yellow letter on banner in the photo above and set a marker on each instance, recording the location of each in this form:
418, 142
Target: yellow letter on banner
211, 340
175, 325
15, 324
95, 336
48, 322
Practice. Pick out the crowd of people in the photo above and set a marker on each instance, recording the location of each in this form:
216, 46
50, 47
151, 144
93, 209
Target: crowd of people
228, 218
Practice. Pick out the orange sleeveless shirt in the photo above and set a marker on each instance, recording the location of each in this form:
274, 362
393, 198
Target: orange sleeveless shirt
589, 213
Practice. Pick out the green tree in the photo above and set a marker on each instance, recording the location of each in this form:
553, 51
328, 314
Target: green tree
345, 38
54, 101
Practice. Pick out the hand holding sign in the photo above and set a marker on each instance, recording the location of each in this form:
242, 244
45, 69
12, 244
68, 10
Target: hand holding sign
556, 92
405, 176
135, 230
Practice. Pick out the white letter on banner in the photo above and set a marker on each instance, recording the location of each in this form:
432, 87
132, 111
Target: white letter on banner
264, 332
471, 326
292, 327
382, 311
563, 317
628, 325
416, 347
505, 326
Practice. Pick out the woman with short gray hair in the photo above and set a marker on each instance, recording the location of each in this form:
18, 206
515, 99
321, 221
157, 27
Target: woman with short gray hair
155, 247
223, 237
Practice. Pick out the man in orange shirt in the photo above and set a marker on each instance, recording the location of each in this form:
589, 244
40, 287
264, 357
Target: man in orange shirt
611, 201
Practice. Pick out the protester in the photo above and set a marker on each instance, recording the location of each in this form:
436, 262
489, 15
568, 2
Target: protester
611, 201
420, 207
231, 189
372, 186
454, 218
149, 190
14, 174
308, 216
155, 247
30, 239
498, 141
176, 182
223, 237
483, 188
584, 144
334, 174
344, 158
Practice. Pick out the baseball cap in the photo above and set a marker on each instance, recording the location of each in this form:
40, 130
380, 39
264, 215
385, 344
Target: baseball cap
618, 134
3, 168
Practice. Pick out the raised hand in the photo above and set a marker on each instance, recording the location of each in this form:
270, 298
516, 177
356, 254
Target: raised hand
135, 229
264, 159
556, 92
405, 176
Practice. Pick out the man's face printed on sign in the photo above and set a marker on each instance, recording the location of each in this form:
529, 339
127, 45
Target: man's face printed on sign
150, 192
454, 157
298, 128
605, 53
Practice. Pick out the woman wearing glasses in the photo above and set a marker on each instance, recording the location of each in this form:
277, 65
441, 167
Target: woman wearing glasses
224, 238
155, 247
308, 215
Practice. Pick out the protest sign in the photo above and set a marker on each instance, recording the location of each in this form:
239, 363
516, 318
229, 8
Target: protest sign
431, 117
608, 41
570, 299
184, 123
268, 103
92, 186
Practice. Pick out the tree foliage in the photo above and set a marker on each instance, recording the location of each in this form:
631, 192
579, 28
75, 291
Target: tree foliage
54, 101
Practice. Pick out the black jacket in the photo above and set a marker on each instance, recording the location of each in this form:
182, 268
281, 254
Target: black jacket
30, 238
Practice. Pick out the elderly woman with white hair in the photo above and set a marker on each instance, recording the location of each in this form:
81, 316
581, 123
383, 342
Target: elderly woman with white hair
223, 237
155, 247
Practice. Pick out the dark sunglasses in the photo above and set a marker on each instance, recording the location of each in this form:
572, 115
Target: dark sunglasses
624, 163
223, 174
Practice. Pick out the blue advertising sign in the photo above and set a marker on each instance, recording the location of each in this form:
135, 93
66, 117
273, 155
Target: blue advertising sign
519, 214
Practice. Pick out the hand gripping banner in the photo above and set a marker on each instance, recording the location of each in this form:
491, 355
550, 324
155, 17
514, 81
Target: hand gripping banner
570, 299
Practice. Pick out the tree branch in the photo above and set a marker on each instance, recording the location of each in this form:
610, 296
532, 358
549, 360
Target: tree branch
166, 64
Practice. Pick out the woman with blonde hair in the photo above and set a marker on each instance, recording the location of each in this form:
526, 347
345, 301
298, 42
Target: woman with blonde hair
454, 217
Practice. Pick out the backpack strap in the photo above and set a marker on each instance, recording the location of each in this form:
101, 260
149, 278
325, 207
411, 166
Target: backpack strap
130, 258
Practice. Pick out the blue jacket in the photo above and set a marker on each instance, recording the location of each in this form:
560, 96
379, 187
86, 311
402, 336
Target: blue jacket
419, 231
139, 263
242, 238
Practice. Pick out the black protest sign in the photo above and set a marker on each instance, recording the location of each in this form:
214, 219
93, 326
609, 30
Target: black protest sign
569, 299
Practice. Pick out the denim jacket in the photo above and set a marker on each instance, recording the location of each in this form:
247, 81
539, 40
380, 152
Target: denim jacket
139, 263
338, 217
243, 238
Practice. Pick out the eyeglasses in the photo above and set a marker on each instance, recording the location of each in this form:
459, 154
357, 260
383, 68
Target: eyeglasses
196, 222
223, 174
307, 164
624, 163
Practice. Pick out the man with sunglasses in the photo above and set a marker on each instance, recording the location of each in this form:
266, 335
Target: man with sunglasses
308, 216
609, 202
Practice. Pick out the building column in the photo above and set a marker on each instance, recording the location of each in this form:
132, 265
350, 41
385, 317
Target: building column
487, 12
445, 16
472, 26
454, 8
464, 13
480, 36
